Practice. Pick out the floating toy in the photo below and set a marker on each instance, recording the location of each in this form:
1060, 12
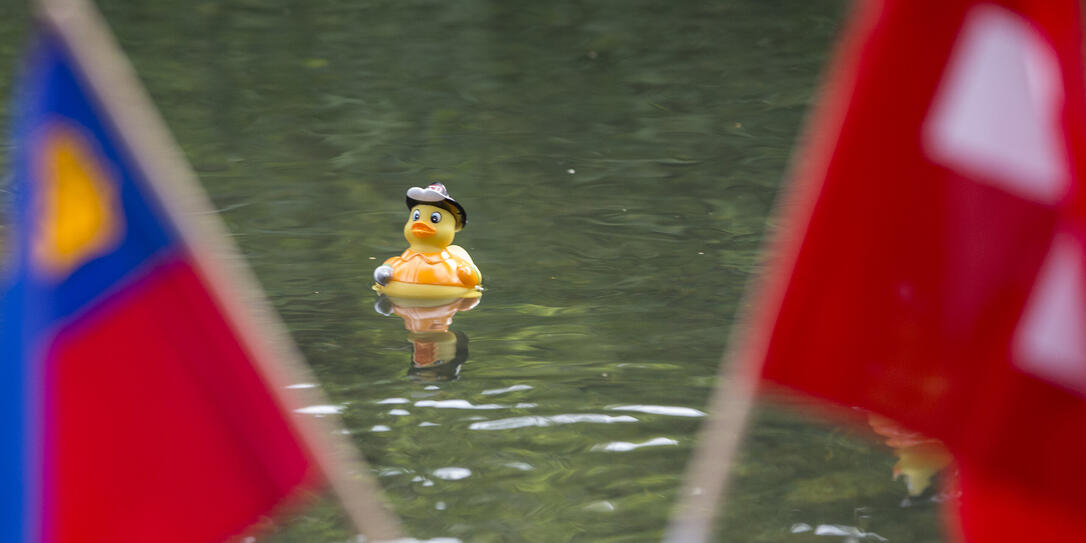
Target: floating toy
919, 458
424, 317
437, 356
437, 353
430, 269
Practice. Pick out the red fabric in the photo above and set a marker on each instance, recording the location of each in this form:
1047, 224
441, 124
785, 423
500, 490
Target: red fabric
990, 511
158, 428
899, 282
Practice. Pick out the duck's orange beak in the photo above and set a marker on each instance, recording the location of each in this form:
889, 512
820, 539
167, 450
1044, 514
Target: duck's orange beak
423, 230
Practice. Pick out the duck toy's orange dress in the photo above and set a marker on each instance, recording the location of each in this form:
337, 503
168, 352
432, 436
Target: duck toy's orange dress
430, 270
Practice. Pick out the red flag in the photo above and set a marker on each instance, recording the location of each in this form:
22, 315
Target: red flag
932, 268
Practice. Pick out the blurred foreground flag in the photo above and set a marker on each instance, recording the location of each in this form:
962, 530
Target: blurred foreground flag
932, 266
134, 404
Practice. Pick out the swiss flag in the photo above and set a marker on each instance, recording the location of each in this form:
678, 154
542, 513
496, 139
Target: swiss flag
931, 265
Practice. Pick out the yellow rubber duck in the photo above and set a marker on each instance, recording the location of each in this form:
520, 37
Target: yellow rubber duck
430, 270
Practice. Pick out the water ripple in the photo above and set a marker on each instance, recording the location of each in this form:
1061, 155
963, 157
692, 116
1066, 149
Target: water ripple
457, 404
320, 410
513, 388
624, 446
525, 422
434, 540
452, 473
669, 410
850, 533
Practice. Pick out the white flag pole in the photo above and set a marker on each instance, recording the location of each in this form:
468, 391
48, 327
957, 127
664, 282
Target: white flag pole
705, 484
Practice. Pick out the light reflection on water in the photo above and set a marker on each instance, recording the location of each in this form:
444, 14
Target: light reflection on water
624, 446
667, 410
618, 160
553, 420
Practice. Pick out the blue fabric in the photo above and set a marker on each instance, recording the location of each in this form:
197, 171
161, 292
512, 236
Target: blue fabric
53, 92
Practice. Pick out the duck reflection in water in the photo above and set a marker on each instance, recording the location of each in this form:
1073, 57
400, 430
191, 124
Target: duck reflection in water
437, 353
919, 458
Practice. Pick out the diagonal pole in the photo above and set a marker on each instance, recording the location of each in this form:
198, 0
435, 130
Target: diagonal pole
705, 483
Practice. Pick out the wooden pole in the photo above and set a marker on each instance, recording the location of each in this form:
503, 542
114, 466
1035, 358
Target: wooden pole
705, 484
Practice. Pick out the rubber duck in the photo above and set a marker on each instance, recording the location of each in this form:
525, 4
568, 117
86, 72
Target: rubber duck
437, 356
420, 317
437, 353
919, 458
431, 268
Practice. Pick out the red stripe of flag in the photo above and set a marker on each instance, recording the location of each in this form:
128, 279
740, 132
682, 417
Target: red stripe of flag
151, 391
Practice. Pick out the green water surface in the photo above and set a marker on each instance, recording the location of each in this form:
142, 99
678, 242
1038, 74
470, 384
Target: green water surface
618, 161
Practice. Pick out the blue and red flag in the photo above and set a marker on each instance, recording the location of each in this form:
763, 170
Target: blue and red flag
131, 408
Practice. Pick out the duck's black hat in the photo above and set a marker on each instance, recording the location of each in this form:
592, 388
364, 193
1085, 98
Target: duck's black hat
436, 195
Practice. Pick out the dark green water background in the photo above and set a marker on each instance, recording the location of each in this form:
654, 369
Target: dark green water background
618, 160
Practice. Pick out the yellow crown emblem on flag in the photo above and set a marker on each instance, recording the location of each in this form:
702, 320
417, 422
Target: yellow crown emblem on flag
77, 213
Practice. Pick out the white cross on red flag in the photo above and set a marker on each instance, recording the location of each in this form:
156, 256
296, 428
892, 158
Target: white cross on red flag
931, 265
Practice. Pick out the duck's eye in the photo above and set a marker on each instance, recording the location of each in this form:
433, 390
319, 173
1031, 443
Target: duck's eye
415, 216
435, 217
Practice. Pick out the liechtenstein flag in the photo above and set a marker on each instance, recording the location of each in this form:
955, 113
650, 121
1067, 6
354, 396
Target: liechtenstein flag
132, 406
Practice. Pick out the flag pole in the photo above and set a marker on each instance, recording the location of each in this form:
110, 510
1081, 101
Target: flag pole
177, 189
705, 484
